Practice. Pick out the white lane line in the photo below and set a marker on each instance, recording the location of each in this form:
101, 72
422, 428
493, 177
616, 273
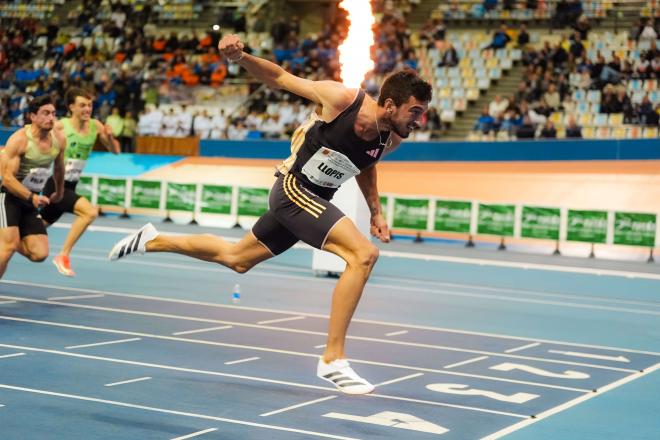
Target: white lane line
272, 350
469, 361
273, 321
195, 434
7, 302
400, 379
289, 269
442, 258
316, 315
139, 379
513, 350
5, 356
319, 346
201, 330
240, 361
60, 298
399, 288
569, 404
288, 408
120, 341
309, 332
400, 332
264, 380
169, 411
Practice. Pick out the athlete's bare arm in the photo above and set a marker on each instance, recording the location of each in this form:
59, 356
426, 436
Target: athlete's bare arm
106, 137
333, 96
10, 160
368, 182
58, 167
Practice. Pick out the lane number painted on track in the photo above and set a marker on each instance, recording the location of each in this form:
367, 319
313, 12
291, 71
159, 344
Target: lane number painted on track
393, 420
465, 390
568, 374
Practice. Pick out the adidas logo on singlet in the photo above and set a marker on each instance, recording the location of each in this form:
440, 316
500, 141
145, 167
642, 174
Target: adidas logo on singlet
373, 153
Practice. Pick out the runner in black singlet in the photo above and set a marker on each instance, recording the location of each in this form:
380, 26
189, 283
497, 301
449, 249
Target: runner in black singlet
345, 140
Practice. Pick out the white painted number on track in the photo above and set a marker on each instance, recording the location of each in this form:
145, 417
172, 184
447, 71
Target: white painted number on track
393, 420
568, 374
464, 390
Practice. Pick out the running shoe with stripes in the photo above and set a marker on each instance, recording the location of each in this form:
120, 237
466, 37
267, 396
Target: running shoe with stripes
341, 375
134, 243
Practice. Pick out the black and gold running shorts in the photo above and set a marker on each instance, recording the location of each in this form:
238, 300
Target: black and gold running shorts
295, 213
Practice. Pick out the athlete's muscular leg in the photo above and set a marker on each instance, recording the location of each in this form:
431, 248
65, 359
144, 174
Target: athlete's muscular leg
360, 255
85, 214
34, 247
241, 256
10, 242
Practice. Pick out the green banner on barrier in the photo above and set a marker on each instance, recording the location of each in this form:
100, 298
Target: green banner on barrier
85, 187
496, 220
383, 205
540, 223
180, 196
634, 229
452, 216
252, 201
111, 192
410, 213
587, 226
216, 199
146, 194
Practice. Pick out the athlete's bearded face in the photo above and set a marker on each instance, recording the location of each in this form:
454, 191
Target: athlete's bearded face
81, 108
44, 118
406, 117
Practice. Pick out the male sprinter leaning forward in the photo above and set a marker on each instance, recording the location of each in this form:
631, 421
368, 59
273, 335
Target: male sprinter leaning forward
82, 132
347, 139
26, 165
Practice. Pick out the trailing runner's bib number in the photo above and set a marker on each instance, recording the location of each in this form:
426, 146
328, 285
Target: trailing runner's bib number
36, 179
73, 169
329, 168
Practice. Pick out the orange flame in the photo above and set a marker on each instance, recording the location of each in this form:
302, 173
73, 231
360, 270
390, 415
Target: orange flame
355, 51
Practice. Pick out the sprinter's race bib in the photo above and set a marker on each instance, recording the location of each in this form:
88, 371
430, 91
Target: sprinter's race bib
329, 168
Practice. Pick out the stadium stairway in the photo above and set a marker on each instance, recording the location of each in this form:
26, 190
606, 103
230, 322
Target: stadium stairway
505, 87
623, 15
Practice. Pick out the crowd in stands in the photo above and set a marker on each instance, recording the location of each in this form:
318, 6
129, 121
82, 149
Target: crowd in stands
573, 76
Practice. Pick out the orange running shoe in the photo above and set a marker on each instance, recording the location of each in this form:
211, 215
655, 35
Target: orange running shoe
63, 265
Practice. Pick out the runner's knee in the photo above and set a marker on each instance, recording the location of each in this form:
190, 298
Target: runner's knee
365, 256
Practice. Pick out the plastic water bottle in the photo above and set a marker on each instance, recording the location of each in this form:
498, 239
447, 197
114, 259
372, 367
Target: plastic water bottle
236, 295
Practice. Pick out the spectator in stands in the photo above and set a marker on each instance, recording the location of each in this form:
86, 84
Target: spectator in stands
648, 33
127, 138
485, 122
202, 125
645, 112
237, 132
526, 130
582, 26
549, 131
573, 130
500, 39
552, 98
116, 122
497, 107
523, 37
219, 125
449, 57
489, 5
576, 48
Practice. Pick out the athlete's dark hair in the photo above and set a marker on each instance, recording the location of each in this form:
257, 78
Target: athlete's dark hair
73, 92
400, 86
37, 103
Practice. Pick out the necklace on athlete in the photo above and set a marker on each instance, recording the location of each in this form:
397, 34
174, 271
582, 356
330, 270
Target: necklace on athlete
380, 139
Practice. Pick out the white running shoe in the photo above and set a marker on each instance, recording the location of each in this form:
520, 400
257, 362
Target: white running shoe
134, 243
342, 376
